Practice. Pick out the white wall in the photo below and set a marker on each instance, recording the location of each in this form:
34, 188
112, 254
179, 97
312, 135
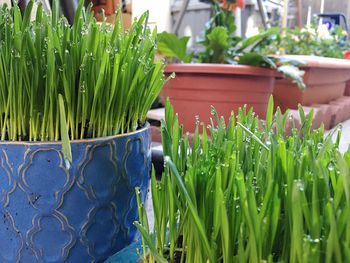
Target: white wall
5, 2
159, 11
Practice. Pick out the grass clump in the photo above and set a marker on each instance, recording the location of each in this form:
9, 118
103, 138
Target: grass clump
106, 76
249, 193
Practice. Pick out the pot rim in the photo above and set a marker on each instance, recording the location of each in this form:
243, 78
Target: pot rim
90, 140
225, 69
312, 61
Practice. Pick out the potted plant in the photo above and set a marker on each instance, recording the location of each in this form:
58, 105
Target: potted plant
227, 73
74, 142
346, 55
321, 51
250, 194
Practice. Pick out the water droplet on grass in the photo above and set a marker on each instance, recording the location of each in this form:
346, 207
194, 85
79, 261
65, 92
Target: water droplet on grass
82, 87
300, 184
330, 167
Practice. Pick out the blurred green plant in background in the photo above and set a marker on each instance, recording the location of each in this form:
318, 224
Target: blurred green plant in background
315, 40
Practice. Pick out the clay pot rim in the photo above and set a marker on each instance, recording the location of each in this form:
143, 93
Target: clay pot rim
224, 69
320, 62
90, 140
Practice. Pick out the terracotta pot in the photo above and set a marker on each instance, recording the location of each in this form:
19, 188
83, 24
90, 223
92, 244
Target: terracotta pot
232, 6
227, 87
347, 88
106, 5
325, 79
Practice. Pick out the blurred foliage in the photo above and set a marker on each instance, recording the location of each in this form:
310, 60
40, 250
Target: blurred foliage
310, 40
171, 46
221, 45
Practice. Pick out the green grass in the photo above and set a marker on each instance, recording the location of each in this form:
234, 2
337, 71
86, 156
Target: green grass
107, 77
249, 193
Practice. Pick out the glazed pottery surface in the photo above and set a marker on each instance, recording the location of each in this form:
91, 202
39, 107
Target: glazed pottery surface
325, 80
197, 87
127, 254
84, 214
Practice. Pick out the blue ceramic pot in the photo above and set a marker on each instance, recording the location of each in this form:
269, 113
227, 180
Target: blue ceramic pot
84, 214
127, 254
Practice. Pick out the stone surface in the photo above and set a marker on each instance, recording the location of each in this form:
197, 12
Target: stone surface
327, 114
345, 101
336, 115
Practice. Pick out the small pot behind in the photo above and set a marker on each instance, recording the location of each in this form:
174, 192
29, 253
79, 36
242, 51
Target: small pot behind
325, 80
